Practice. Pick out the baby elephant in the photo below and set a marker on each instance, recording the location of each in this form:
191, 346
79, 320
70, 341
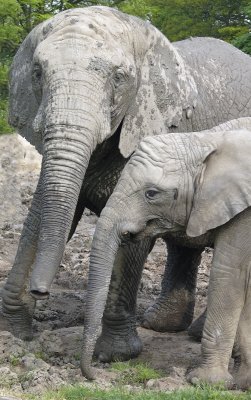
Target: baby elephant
193, 188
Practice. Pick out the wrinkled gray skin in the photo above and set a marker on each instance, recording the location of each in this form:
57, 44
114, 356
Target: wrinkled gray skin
85, 87
192, 189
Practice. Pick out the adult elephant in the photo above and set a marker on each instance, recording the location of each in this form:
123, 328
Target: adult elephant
85, 87
191, 189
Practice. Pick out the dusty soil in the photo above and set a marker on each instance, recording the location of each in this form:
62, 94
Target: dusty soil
52, 358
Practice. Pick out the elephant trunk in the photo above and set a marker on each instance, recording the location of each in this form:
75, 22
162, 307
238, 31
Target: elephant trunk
74, 121
111, 228
66, 157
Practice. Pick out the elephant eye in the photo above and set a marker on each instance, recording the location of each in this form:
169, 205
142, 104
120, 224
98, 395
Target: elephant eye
119, 77
156, 194
36, 81
151, 193
37, 73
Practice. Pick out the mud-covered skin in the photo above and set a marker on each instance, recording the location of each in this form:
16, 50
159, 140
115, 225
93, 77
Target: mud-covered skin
102, 174
203, 58
174, 308
17, 305
119, 339
178, 288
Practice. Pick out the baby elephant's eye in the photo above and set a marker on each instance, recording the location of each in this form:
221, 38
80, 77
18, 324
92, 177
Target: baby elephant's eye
151, 193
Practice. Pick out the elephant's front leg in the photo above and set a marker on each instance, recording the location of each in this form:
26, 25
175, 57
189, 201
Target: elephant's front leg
17, 304
119, 339
173, 310
243, 343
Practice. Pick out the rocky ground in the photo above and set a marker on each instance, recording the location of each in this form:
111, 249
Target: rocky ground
52, 358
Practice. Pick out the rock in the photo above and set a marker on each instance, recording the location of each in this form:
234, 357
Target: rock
9, 379
10, 347
39, 380
62, 342
30, 362
17, 159
169, 383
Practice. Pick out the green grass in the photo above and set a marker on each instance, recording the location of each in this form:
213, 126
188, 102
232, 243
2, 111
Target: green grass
136, 375
41, 355
83, 393
131, 373
4, 126
14, 360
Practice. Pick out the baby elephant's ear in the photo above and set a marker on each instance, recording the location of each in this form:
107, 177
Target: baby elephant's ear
224, 188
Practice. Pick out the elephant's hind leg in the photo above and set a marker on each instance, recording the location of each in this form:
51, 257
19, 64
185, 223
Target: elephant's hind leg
196, 328
243, 343
17, 304
119, 339
173, 310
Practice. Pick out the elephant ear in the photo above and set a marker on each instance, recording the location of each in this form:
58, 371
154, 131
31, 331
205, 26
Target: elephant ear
223, 188
23, 105
166, 89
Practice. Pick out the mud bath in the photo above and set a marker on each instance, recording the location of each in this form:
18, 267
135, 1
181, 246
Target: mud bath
52, 358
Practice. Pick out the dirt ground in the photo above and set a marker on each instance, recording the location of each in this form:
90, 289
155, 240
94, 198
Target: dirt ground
52, 358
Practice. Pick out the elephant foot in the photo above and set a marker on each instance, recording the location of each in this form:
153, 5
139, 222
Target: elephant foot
115, 345
211, 376
196, 329
243, 378
168, 315
19, 323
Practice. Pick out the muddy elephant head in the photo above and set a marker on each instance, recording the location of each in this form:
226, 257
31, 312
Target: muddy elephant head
77, 79
176, 184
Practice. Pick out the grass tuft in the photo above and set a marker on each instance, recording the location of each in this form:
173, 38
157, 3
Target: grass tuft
132, 373
200, 393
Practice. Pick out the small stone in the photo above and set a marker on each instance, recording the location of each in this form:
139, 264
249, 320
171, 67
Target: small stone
30, 362
8, 378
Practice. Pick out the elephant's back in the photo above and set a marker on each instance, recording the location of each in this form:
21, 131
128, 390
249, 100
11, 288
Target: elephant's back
222, 74
209, 47
212, 54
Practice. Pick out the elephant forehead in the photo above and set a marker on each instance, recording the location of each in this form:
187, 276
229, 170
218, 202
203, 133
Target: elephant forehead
97, 56
88, 19
98, 31
100, 24
161, 161
97, 60
143, 170
168, 151
146, 171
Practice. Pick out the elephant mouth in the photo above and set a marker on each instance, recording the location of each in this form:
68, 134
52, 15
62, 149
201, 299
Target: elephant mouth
128, 237
147, 230
155, 227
